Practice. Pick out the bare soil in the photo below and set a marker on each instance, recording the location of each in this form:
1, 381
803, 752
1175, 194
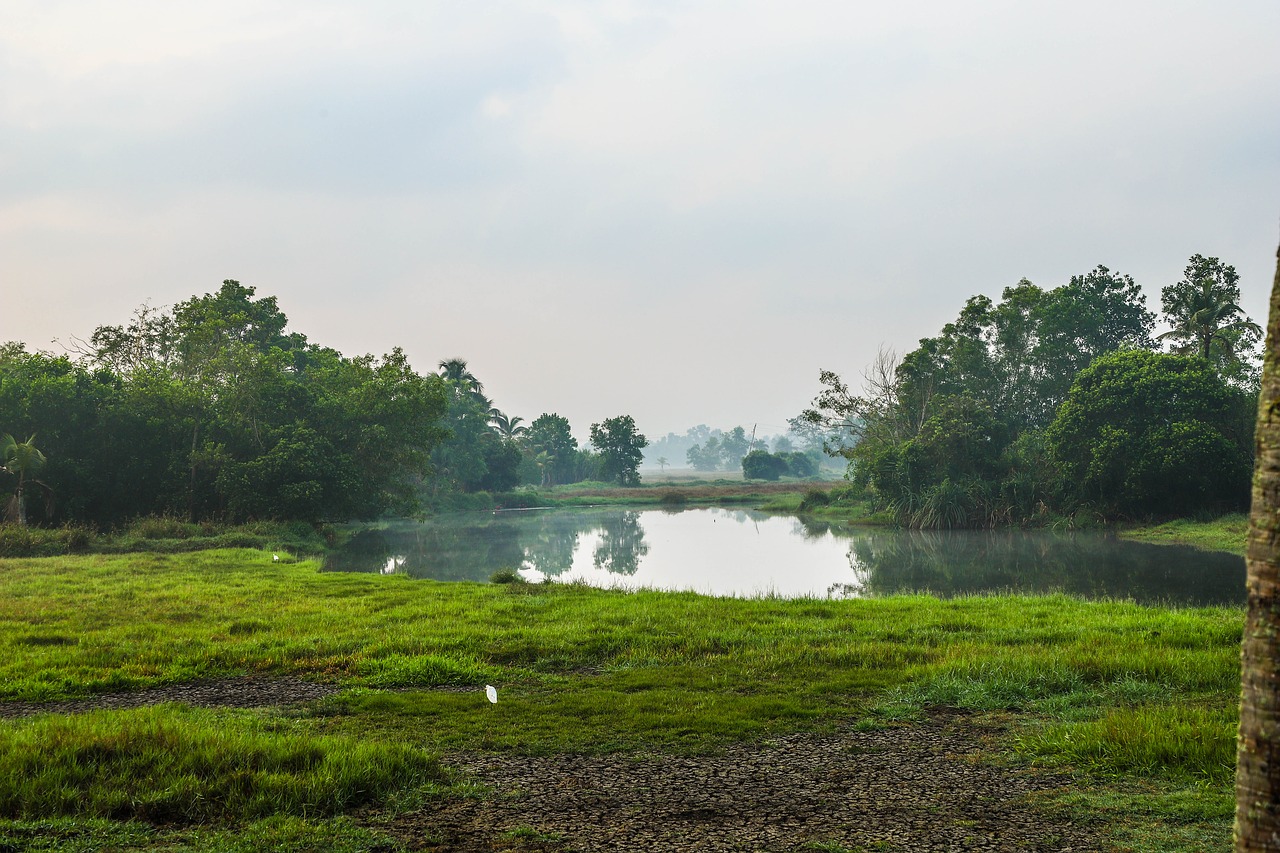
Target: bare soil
931, 786
925, 787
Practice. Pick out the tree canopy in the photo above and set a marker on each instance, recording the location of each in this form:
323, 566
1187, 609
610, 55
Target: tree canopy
987, 423
621, 447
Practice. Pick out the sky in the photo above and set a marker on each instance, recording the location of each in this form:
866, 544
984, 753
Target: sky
679, 211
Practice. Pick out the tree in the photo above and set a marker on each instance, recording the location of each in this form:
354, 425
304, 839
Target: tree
1144, 432
1257, 823
550, 433
22, 459
463, 382
1204, 312
621, 447
1093, 314
734, 445
508, 427
763, 465
662, 463
705, 457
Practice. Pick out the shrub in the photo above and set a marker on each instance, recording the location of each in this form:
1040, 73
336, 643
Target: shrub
814, 498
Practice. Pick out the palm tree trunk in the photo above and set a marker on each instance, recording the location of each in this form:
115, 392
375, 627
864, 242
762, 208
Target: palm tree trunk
1257, 824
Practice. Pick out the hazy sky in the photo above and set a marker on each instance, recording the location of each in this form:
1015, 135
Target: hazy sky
674, 210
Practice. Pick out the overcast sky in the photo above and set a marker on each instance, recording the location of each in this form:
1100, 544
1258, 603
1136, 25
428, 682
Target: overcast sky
674, 210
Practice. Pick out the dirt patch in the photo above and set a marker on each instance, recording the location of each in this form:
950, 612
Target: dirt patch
918, 788
252, 691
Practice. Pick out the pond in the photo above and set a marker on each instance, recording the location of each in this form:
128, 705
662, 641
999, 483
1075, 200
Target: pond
739, 552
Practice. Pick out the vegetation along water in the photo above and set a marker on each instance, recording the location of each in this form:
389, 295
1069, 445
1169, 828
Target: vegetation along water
181, 472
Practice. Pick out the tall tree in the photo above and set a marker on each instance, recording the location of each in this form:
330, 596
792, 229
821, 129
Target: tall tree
621, 448
509, 428
550, 433
458, 376
1257, 825
1204, 312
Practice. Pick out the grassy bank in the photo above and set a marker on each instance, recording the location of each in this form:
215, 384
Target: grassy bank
1127, 695
1228, 533
165, 535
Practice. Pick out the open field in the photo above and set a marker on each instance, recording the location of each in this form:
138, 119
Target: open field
1107, 723
681, 490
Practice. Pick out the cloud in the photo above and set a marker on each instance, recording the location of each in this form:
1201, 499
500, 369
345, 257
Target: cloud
651, 184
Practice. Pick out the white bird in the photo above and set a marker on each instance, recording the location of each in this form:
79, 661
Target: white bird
491, 692
275, 558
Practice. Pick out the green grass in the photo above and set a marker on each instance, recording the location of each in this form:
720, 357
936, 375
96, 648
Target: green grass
173, 764
1114, 691
277, 834
163, 535
1227, 533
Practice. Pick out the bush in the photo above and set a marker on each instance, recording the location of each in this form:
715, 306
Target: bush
19, 541
814, 498
763, 465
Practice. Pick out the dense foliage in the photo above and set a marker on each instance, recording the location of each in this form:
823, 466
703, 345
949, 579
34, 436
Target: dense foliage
215, 410
212, 410
763, 465
1055, 401
621, 448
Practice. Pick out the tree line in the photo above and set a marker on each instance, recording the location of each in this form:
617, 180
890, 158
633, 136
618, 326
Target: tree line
1060, 401
214, 409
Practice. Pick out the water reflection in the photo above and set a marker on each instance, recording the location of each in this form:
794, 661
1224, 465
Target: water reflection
1089, 565
741, 552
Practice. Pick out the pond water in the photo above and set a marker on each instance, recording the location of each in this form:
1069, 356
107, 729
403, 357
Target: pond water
737, 552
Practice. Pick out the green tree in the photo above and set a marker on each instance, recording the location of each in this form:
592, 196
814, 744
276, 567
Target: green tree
706, 456
463, 382
1204, 310
734, 445
550, 433
1145, 432
509, 428
763, 465
621, 448
22, 459
1093, 314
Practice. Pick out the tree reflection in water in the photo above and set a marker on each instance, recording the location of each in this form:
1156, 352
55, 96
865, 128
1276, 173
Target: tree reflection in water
621, 544
949, 563
613, 542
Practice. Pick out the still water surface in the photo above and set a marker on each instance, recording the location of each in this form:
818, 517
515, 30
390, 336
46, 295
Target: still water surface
736, 552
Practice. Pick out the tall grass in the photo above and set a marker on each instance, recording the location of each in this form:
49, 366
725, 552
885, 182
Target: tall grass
166, 764
1194, 744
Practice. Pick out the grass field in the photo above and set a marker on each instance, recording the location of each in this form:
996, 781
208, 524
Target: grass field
1140, 701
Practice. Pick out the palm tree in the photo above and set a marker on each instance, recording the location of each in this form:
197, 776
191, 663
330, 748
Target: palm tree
22, 459
662, 463
455, 373
544, 460
454, 370
508, 428
1203, 311
1258, 754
